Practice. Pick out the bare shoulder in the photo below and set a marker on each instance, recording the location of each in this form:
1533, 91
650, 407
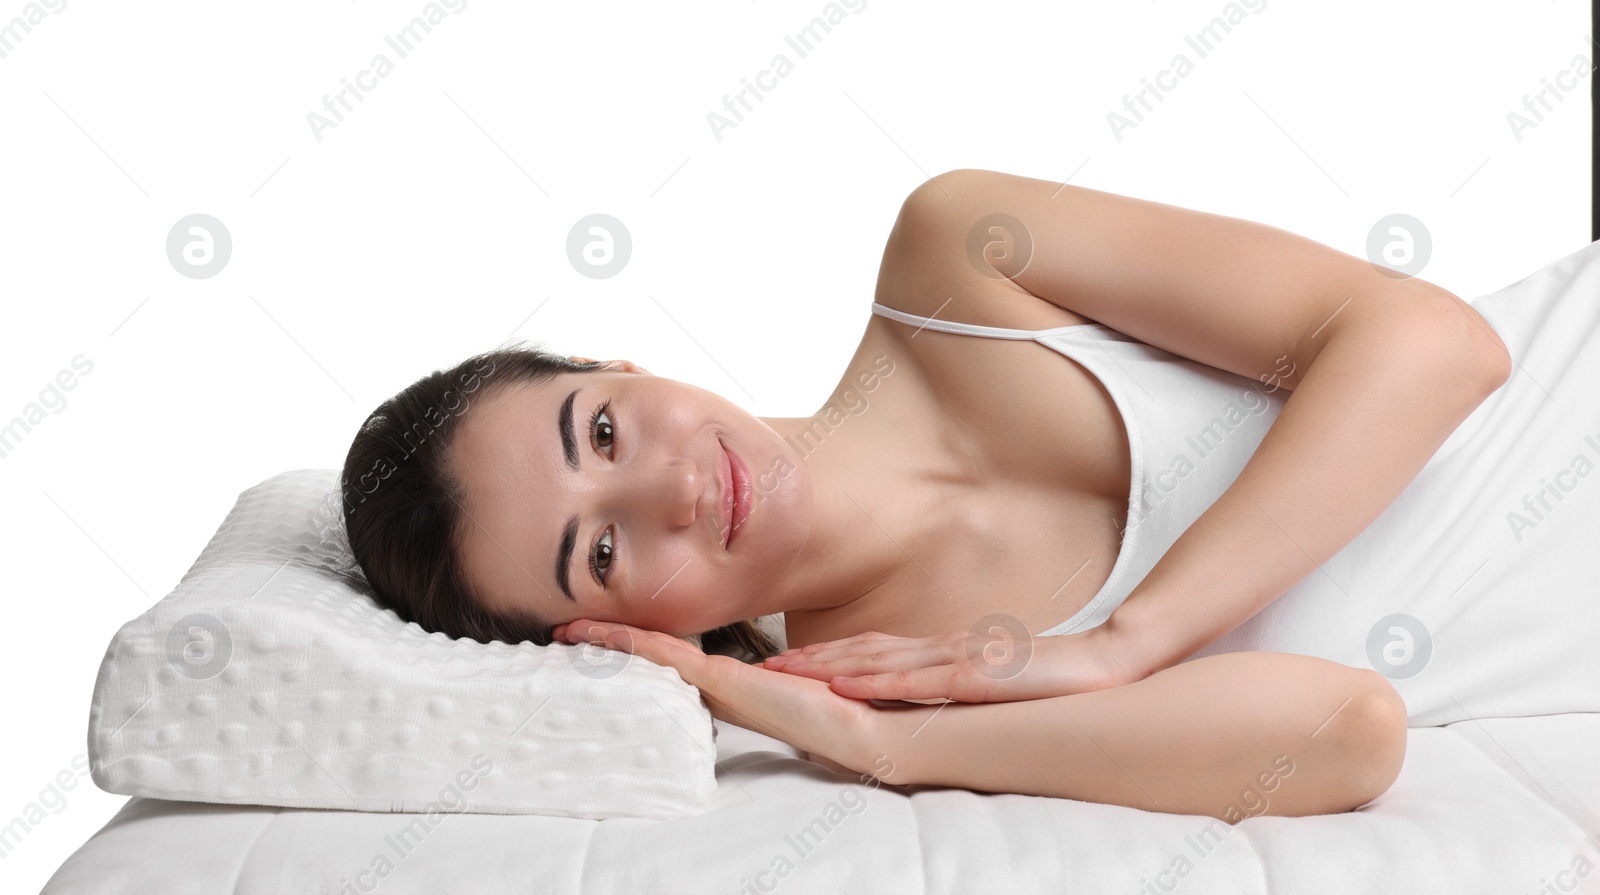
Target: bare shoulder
955, 264
936, 265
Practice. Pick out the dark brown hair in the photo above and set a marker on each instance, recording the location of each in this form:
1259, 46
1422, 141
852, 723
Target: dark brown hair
402, 506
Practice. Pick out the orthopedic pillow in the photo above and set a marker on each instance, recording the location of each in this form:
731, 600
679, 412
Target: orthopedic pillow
270, 676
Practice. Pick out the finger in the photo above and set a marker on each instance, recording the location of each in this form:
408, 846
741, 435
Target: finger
862, 649
626, 638
662, 649
859, 646
589, 631
811, 648
585, 630
888, 658
867, 657
918, 683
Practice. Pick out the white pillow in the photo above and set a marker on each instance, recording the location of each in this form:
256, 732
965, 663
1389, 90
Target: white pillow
270, 676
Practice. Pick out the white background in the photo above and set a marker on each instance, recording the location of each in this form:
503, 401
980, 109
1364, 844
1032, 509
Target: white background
431, 223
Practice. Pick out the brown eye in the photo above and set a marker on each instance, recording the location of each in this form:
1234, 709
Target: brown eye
600, 559
601, 432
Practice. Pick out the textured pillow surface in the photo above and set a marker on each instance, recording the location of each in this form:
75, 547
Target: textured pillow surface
271, 676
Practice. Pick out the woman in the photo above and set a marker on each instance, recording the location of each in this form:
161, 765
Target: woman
956, 498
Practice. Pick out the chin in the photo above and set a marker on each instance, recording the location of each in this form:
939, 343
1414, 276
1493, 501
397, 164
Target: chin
678, 628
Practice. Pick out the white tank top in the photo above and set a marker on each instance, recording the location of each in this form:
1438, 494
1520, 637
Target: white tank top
1477, 591
1191, 428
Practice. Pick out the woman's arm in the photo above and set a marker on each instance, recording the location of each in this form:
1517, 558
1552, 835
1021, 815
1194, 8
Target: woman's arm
1364, 421
1383, 368
1229, 736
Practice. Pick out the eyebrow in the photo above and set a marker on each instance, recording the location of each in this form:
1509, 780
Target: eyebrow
569, 532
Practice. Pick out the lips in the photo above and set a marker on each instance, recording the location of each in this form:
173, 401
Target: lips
725, 493
735, 494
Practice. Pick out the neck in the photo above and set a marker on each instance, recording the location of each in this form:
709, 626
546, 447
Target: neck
864, 518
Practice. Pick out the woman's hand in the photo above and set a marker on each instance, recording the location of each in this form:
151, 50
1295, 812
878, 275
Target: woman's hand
801, 712
1001, 664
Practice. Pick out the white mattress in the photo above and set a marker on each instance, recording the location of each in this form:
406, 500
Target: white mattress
1482, 805
1498, 805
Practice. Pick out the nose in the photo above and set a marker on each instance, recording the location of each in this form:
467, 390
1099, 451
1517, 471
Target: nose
670, 492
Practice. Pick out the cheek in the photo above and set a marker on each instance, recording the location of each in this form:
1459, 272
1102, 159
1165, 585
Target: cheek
688, 601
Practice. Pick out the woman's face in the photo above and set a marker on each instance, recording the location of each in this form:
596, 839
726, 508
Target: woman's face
644, 488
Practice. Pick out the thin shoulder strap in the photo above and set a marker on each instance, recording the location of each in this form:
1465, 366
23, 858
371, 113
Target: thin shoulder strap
968, 329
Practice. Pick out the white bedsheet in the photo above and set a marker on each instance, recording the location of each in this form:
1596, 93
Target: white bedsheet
1490, 806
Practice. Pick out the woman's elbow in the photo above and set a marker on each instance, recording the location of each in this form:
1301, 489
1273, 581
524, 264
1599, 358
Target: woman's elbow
1372, 740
